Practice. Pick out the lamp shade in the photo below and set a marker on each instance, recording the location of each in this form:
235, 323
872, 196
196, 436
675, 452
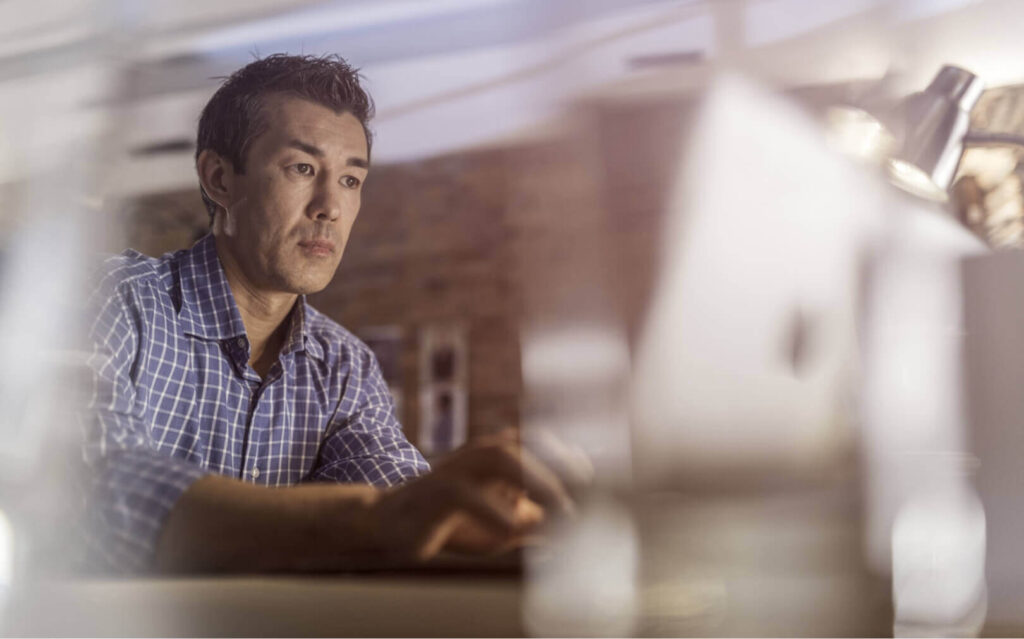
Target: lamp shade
934, 124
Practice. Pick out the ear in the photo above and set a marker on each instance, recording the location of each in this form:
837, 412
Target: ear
216, 175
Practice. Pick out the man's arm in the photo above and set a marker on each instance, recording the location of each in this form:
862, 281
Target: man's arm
224, 524
131, 487
474, 500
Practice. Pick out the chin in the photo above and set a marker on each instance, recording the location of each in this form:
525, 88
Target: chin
305, 279
308, 288
302, 285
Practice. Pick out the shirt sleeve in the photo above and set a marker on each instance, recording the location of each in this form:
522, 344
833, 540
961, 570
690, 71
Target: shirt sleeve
132, 487
365, 443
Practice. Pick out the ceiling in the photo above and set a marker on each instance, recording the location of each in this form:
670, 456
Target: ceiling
447, 74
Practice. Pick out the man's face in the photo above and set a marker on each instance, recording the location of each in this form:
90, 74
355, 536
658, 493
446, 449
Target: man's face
289, 215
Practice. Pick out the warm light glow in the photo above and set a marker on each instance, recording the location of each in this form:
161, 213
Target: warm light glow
915, 181
856, 133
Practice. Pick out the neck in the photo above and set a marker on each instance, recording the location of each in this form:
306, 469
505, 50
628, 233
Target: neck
264, 313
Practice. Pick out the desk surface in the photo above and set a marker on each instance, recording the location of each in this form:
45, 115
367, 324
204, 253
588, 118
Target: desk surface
344, 605
785, 564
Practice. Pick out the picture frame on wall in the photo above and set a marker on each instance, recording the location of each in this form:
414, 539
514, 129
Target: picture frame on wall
443, 394
443, 420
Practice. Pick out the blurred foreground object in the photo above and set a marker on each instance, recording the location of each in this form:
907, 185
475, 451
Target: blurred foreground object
921, 516
575, 363
54, 80
732, 508
747, 355
953, 561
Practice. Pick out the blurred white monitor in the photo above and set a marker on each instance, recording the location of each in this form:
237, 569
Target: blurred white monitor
744, 362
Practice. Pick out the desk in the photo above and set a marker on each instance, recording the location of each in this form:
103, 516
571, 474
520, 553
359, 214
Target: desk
765, 563
768, 561
342, 605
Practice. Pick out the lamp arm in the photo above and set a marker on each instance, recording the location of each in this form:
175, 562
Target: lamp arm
984, 137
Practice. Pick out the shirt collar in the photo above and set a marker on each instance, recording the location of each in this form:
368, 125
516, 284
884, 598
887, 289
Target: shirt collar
208, 308
299, 335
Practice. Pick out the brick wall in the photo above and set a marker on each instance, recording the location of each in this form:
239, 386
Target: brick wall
431, 245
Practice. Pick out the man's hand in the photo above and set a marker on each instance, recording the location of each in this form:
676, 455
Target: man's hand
485, 497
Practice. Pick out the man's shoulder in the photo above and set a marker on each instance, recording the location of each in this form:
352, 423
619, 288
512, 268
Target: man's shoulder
133, 272
131, 265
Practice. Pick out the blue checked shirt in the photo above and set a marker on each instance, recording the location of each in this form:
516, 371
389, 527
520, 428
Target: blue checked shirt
174, 399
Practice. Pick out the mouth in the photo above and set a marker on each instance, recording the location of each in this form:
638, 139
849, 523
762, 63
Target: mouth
317, 248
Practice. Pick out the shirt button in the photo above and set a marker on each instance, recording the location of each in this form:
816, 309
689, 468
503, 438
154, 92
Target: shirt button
241, 342
255, 473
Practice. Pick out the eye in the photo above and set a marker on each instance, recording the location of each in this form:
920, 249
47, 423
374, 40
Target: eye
302, 168
350, 181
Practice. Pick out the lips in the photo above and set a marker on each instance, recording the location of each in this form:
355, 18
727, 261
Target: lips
317, 247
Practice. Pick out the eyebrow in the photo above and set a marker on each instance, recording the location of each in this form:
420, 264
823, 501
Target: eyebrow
316, 151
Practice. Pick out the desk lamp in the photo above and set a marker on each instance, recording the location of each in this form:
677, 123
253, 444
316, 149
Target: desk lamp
936, 128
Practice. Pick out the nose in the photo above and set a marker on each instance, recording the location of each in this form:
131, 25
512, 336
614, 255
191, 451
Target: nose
327, 204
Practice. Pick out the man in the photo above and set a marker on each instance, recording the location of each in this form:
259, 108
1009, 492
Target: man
232, 425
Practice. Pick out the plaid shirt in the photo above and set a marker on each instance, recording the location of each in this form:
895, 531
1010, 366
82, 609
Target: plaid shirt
174, 399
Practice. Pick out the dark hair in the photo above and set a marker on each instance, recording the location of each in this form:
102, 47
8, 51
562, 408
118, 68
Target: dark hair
232, 118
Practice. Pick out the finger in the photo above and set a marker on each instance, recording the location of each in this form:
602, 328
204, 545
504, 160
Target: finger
472, 537
568, 462
421, 515
523, 469
437, 537
487, 507
447, 507
527, 512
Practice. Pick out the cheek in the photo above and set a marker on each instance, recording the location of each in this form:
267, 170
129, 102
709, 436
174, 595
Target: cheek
352, 210
279, 196
282, 206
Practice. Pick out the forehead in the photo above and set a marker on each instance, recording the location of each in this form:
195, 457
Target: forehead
288, 117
